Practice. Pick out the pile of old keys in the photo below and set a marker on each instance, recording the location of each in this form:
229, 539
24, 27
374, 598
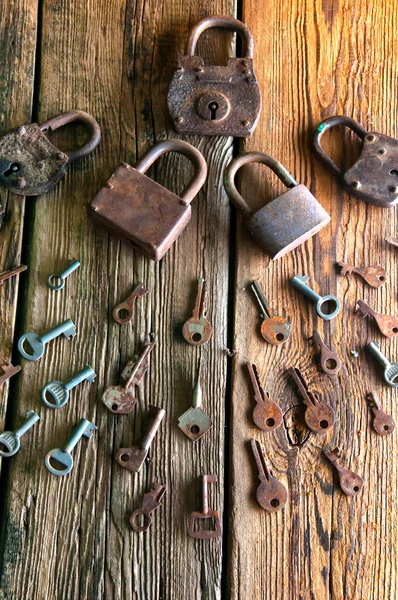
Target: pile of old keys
197, 330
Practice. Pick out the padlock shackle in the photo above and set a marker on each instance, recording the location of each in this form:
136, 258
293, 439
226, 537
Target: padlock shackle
328, 124
223, 23
244, 159
76, 116
196, 158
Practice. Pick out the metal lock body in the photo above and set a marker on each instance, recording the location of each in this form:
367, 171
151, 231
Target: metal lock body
215, 100
284, 223
30, 164
143, 213
374, 176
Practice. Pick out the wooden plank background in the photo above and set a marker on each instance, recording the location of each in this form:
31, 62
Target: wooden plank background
69, 538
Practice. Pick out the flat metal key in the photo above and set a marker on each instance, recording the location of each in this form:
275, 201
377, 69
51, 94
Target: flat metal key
383, 423
205, 534
56, 393
267, 414
124, 312
197, 330
351, 483
271, 494
374, 276
329, 361
75, 264
319, 416
387, 325
393, 241
8, 274
390, 369
275, 330
195, 422
60, 461
9, 371
31, 345
133, 458
330, 302
10, 440
150, 503
120, 399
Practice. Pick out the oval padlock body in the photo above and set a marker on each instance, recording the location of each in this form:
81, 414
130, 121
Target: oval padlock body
288, 221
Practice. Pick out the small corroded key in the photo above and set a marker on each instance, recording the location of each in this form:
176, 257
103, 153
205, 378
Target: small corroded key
124, 312
271, 494
267, 414
329, 361
60, 461
274, 329
383, 423
197, 330
57, 282
150, 502
31, 345
390, 369
9, 371
387, 325
319, 416
56, 393
195, 422
351, 483
10, 440
205, 534
8, 274
374, 276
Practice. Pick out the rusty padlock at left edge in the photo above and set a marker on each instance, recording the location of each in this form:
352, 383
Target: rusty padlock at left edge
143, 213
30, 164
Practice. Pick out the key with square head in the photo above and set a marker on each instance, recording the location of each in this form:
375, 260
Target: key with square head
351, 483
319, 416
128, 306
387, 325
10, 440
383, 423
271, 494
56, 393
197, 330
205, 534
60, 461
8, 274
374, 276
267, 414
390, 369
31, 345
151, 502
195, 422
275, 330
329, 361
9, 371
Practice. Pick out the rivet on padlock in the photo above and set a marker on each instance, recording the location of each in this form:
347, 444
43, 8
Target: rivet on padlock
138, 210
212, 99
374, 176
284, 223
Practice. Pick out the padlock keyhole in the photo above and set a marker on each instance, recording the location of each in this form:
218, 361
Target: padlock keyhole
394, 172
13, 168
213, 108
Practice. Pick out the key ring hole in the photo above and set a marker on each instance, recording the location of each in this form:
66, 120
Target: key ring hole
124, 458
274, 502
324, 424
122, 314
115, 406
279, 337
270, 422
395, 329
356, 488
195, 429
55, 282
386, 427
27, 348
5, 449
328, 307
197, 337
141, 521
331, 364
57, 465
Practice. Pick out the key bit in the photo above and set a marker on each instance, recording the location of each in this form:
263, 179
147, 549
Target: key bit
351, 483
9, 371
383, 423
393, 241
128, 306
120, 399
390, 369
374, 276
271, 494
55, 394
329, 361
10, 440
319, 416
150, 502
275, 330
59, 461
267, 414
195, 422
205, 534
31, 345
8, 274
197, 330
387, 325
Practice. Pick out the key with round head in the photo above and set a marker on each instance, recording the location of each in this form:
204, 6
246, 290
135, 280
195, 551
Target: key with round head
267, 414
319, 416
195, 422
205, 515
374, 276
197, 330
150, 502
10, 440
387, 325
275, 330
329, 361
271, 494
390, 373
330, 304
31, 345
57, 282
56, 393
124, 312
59, 461
383, 423
351, 483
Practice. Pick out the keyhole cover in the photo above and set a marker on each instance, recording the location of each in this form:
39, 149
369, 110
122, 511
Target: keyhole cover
213, 106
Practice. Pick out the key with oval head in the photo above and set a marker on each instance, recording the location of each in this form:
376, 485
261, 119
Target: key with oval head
8, 274
205, 534
10, 440
197, 330
387, 325
329, 361
59, 461
61, 278
383, 423
195, 422
331, 302
151, 502
267, 414
56, 393
390, 369
374, 276
351, 483
31, 345
319, 416
274, 329
128, 306
271, 494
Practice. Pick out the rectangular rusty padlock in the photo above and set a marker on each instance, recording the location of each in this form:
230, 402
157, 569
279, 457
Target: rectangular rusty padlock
143, 213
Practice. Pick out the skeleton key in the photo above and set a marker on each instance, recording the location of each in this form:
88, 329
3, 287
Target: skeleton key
56, 393
319, 416
205, 534
8, 274
374, 276
120, 399
150, 502
267, 414
9, 371
63, 457
195, 422
271, 494
393, 241
133, 458
329, 361
387, 325
197, 330
383, 423
56, 282
274, 329
351, 483
390, 369
128, 305
10, 440
31, 345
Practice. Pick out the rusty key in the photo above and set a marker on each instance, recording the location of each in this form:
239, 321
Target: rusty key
374, 276
319, 416
383, 423
267, 414
205, 534
274, 329
150, 502
9, 371
387, 325
120, 399
351, 483
128, 305
8, 274
329, 361
271, 494
197, 330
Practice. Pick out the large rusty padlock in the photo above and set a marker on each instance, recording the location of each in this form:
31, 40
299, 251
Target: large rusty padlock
143, 213
374, 176
283, 223
30, 164
215, 100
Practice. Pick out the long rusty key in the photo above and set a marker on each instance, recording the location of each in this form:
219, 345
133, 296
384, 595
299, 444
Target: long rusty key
124, 312
387, 325
205, 534
267, 414
351, 483
150, 502
120, 399
383, 423
197, 330
374, 276
9, 371
319, 416
271, 494
329, 361
195, 422
8, 274
274, 329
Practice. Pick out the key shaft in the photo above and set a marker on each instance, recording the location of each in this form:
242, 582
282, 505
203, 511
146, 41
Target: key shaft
8, 274
85, 374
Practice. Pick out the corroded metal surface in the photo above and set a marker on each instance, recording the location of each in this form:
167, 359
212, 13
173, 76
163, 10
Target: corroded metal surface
319, 416
329, 361
271, 494
274, 329
150, 502
374, 276
267, 414
128, 306
383, 423
387, 325
197, 329
351, 483
205, 534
